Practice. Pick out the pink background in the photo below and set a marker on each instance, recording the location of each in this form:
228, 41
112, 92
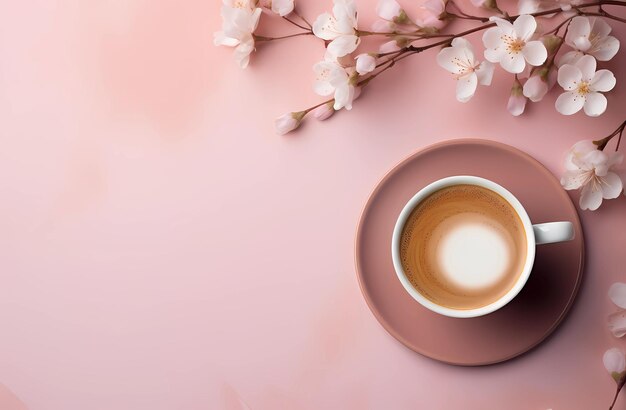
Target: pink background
162, 248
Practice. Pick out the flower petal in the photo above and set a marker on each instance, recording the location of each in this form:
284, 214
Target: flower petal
571, 57
595, 104
603, 80
617, 294
582, 43
514, 63
597, 161
524, 26
568, 76
454, 59
220, 39
527, 6
323, 71
605, 49
365, 63
617, 323
243, 50
614, 361
590, 197
614, 158
492, 38
587, 67
282, 7
388, 9
569, 103
516, 105
383, 26
535, 88
286, 123
254, 22
599, 27
612, 186
494, 55
323, 112
535, 53
345, 13
460, 42
579, 27
343, 97
572, 180
325, 28
466, 87
574, 160
342, 45
484, 72
504, 25
388, 47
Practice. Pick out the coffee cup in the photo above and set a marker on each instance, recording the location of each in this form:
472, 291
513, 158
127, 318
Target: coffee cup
464, 246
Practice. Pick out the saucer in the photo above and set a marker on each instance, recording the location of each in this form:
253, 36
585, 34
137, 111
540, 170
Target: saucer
510, 331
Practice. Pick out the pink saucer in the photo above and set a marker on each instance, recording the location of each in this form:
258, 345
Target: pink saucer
524, 322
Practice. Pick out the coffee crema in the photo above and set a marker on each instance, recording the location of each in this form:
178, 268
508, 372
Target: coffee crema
463, 247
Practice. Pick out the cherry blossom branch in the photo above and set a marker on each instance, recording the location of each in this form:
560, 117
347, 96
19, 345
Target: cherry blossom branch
550, 62
336, 75
296, 24
264, 38
619, 388
558, 27
601, 143
463, 15
303, 19
512, 18
412, 49
607, 15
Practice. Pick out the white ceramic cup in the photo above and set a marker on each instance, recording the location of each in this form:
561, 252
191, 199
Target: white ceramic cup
535, 235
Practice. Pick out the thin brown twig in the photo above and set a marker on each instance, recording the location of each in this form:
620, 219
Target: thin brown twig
296, 24
607, 15
414, 50
619, 388
263, 38
302, 18
601, 143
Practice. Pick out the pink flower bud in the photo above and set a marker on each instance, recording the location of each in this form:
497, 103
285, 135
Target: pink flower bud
432, 14
486, 4
324, 111
535, 88
615, 363
365, 63
388, 47
383, 26
517, 101
288, 122
389, 10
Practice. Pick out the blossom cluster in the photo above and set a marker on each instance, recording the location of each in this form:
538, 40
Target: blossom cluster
516, 46
240, 19
538, 57
591, 168
540, 47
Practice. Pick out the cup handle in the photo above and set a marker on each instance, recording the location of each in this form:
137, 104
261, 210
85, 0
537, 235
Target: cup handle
553, 232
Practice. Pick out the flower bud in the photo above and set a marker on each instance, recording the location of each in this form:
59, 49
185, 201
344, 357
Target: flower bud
365, 63
615, 363
392, 11
288, 122
517, 101
324, 111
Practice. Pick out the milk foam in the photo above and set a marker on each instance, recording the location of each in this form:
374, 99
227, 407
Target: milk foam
463, 247
473, 255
